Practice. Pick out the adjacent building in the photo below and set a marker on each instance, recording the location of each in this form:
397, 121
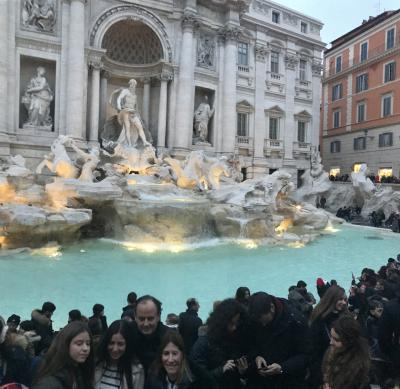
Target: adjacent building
361, 98
258, 63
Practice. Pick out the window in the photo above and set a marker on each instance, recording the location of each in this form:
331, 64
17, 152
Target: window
338, 64
386, 105
275, 16
273, 128
335, 146
362, 82
243, 54
386, 139
360, 112
357, 167
390, 39
301, 131
390, 71
336, 119
336, 92
385, 172
242, 124
303, 70
303, 27
364, 51
274, 62
335, 171
359, 143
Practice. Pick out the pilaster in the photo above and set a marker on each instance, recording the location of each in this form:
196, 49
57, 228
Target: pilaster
146, 99
162, 112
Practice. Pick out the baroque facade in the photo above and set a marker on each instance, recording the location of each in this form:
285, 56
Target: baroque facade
252, 65
361, 99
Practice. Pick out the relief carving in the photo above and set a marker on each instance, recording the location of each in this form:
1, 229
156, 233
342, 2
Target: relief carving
39, 15
206, 52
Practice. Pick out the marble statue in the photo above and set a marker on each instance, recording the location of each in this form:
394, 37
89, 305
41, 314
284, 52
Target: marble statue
37, 99
125, 101
58, 161
362, 182
90, 161
39, 14
202, 116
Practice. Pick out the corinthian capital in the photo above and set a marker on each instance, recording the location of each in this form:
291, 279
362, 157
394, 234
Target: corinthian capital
229, 33
189, 21
261, 52
291, 61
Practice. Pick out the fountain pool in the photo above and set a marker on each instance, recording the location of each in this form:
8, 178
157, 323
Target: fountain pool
105, 271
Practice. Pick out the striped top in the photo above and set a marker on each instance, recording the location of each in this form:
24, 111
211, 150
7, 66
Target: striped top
111, 378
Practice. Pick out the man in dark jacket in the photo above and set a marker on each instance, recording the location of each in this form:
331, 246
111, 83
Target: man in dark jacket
189, 323
148, 329
389, 331
42, 324
98, 322
279, 343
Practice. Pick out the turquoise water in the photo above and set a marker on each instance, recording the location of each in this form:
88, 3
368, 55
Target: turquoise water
100, 271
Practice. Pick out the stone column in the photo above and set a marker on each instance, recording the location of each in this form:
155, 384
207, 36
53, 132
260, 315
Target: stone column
76, 69
184, 108
95, 102
146, 99
229, 115
260, 128
104, 76
289, 128
218, 110
162, 112
316, 69
4, 52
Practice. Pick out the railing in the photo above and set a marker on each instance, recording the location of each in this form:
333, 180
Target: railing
275, 76
377, 51
273, 144
302, 145
243, 68
244, 140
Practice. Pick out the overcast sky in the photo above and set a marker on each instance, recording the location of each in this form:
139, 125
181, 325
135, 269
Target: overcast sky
340, 16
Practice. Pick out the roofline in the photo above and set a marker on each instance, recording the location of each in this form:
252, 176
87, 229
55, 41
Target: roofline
360, 29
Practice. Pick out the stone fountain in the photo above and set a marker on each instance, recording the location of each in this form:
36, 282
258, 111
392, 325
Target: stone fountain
126, 190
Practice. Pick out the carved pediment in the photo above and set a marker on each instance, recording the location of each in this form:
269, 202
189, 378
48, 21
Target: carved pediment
275, 110
244, 106
303, 115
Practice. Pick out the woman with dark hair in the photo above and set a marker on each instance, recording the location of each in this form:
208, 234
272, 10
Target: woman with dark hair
172, 370
242, 295
332, 305
69, 361
117, 365
222, 350
346, 363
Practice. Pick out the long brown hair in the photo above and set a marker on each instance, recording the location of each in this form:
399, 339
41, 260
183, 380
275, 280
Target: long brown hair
58, 359
327, 304
171, 337
347, 366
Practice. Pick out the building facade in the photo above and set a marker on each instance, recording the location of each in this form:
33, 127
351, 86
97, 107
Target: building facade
361, 99
257, 63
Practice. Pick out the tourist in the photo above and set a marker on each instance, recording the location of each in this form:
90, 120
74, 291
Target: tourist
75, 315
297, 301
308, 296
242, 295
149, 329
389, 331
172, 321
189, 323
172, 369
69, 362
346, 364
279, 343
116, 365
98, 322
14, 360
222, 350
42, 323
13, 323
332, 305
322, 287
129, 309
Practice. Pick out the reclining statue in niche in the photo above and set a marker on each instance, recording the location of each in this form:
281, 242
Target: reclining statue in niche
124, 100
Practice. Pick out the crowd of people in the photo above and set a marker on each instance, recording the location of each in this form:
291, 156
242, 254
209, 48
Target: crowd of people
253, 340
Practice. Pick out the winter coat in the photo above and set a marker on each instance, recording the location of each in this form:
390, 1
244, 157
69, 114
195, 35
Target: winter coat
212, 356
98, 325
188, 326
146, 346
284, 341
389, 331
137, 377
43, 327
59, 381
198, 378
